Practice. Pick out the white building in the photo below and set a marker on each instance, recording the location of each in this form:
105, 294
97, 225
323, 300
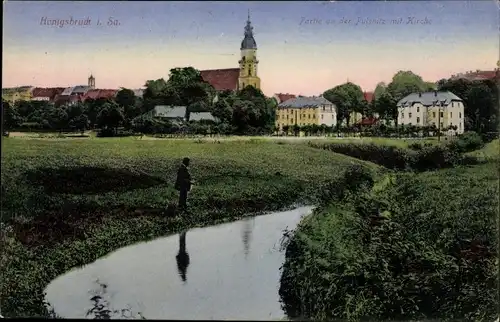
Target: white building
442, 109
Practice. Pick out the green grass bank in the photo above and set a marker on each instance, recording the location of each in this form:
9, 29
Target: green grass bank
67, 202
416, 246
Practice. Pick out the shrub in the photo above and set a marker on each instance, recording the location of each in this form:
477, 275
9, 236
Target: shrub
421, 158
430, 256
469, 141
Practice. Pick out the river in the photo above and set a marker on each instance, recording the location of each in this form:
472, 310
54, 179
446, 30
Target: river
228, 271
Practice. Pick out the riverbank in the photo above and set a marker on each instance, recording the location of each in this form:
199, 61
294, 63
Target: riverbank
68, 202
415, 246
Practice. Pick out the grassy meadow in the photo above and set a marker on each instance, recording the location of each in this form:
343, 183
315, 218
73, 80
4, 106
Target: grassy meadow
67, 202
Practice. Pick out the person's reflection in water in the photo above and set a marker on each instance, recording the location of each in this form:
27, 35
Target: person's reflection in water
182, 257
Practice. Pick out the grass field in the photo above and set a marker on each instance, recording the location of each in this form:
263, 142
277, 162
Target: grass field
67, 202
433, 255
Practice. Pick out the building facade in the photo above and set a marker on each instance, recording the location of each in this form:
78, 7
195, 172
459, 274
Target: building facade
246, 74
306, 111
441, 109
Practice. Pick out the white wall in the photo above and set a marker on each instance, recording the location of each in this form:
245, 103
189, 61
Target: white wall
327, 115
414, 115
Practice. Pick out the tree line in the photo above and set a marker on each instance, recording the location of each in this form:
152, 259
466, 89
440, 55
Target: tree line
247, 111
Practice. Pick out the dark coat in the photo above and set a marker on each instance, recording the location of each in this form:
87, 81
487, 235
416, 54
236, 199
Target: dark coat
183, 181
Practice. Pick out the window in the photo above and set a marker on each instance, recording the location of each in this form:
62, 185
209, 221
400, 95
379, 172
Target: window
322, 115
324, 108
441, 124
409, 115
441, 114
460, 115
243, 85
433, 114
287, 116
452, 104
402, 115
418, 120
451, 114
460, 126
308, 116
409, 124
418, 109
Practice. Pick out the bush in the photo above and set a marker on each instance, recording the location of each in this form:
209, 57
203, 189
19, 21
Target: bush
469, 141
430, 255
420, 158
355, 179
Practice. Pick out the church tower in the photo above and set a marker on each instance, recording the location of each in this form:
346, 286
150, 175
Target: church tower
91, 82
248, 62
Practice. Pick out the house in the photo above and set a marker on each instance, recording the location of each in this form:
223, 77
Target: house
46, 94
306, 111
138, 92
12, 95
99, 94
67, 99
201, 116
178, 113
442, 109
280, 97
478, 75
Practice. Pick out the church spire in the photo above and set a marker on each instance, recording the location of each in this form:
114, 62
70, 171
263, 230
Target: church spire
248, 41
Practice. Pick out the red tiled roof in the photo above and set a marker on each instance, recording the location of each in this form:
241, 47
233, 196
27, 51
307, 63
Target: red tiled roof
222, 79
285, 97
368, 121
47, 92
368, 96
479, 75
63, 99
99, 93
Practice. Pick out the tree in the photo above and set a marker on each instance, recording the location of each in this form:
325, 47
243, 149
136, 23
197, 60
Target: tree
189, 89
93, 108
111, 116
404, 83
77, 119
58, 119
385, 106
125, 97
379, 89
348, 98
10, 116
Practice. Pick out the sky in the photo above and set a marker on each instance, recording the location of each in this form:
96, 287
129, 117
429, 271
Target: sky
304, 47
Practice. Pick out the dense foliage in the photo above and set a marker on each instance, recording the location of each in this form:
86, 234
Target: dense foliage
419, 157
413, 247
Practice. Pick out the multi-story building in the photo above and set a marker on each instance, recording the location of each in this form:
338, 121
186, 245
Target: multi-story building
442, 109
15, 94
306, 111
478, 75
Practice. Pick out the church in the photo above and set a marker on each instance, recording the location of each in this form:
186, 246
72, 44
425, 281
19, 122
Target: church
237, 78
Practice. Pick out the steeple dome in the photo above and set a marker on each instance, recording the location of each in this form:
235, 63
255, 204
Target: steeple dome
248, 42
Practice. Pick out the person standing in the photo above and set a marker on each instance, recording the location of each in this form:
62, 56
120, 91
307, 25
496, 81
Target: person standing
183, 184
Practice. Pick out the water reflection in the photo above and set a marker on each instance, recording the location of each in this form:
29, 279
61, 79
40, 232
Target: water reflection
246, 234
101, 308
182, 257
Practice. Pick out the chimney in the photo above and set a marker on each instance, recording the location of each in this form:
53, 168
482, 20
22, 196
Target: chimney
435, 93
420, 94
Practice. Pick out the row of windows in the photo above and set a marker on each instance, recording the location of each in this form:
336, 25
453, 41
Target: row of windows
323, 107
301, 116
452, 105
434, 123
433, 115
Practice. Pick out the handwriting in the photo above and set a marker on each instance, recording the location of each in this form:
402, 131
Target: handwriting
79, 22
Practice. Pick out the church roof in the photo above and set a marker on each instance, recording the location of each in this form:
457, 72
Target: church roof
249, 41
222, 79
100, 93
